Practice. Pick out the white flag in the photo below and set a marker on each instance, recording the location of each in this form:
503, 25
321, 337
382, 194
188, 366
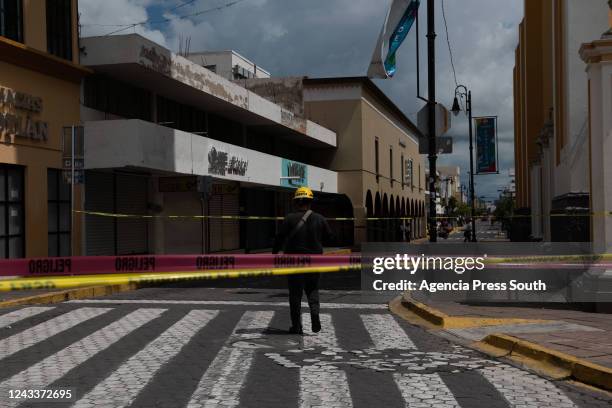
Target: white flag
400, 18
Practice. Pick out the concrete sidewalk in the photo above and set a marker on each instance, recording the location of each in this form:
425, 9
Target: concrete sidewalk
551, 339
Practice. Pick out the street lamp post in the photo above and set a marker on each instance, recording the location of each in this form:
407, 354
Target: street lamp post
462, 92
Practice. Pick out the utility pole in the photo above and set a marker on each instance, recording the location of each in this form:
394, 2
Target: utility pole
469, 102
431, 104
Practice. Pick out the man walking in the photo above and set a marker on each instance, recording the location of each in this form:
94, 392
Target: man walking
303, 232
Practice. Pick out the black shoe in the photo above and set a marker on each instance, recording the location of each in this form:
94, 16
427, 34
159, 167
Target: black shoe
296, 330
316, 323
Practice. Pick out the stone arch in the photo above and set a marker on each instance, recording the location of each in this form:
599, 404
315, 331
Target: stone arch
377, 205
369, 204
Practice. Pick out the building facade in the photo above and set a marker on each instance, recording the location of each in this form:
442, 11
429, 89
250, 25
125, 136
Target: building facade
377, 159
597, 55
40, 80
178, 147
551, 119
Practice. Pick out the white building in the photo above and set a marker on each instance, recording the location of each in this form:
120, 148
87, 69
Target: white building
450, 182
228, 64
166, 137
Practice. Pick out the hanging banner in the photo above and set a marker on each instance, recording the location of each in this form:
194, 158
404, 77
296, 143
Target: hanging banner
486, 145
400, 18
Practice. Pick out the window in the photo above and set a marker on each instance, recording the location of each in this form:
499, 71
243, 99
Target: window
420, 187
11, 19
402, 175
410, 173
117, 98
60, 220
12, 218
376, 163
179, 116
391, 166
59, 28
212, 68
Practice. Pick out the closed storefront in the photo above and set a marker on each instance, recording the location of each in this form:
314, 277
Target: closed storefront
224, 233
116, 194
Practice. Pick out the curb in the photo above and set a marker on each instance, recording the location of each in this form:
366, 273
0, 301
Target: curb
444, 321
549, 362
553, 363
70, 294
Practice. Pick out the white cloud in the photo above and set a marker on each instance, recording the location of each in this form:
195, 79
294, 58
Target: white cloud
102, 17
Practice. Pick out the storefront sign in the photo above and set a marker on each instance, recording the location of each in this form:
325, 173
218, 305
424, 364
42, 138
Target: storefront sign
221, 163
486, 145
293, 174
16, 110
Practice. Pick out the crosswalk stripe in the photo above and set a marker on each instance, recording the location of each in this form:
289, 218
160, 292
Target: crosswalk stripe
21, 314
323, 385
137, 371
353, 306
524, 389
424, 390
43, 331
223, 380
386, 333
52, 368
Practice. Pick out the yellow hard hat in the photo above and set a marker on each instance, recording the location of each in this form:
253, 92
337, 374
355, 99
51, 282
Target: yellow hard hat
303, 193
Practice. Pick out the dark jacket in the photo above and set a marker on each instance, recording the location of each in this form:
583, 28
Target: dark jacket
309, 239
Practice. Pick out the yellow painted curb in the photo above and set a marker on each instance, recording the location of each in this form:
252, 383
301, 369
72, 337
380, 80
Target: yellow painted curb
71, 294
549, 362
444, 321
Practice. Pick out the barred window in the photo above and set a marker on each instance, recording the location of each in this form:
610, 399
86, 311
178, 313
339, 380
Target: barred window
11, 19
59, 28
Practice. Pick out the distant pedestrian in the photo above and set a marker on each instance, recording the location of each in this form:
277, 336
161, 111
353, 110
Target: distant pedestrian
467, 232
405, 230
303, 232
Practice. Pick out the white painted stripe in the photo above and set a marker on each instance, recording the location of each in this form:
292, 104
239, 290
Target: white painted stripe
520, 388
221, 383
43, 331
136, 372
229, 303
52, 368
21, 314
317, 381
386, 333
424, 390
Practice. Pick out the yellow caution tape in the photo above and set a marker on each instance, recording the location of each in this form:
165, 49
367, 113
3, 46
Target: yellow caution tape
587, 258
223, 217
66, 282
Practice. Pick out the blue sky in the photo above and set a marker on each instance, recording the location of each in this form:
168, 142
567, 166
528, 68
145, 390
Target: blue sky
337, 37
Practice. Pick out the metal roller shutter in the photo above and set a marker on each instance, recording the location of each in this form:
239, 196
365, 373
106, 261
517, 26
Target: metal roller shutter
132, 198
99, 196
231, 228
224, 234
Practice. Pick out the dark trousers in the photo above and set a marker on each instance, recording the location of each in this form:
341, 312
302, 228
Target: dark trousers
309, 283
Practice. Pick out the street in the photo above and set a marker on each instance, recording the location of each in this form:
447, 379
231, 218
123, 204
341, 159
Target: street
484, 232
212, 347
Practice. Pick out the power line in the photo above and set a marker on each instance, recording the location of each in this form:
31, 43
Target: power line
183, 4
168, 19
450, 50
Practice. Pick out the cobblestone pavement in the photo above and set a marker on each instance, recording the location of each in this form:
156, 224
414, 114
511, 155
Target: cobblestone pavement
171, 348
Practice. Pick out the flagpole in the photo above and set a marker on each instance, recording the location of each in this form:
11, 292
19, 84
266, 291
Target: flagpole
431, 104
